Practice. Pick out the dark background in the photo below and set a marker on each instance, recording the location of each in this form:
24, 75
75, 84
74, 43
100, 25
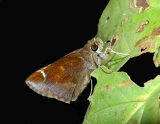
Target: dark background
37, 33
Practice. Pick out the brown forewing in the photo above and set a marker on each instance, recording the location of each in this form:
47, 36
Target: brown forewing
36, 81
65, 78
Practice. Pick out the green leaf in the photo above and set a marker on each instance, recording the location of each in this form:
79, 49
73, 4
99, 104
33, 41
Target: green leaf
156, 58
132, 27
118, 100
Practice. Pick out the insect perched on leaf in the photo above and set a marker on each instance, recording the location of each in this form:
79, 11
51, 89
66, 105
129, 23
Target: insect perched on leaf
67, 77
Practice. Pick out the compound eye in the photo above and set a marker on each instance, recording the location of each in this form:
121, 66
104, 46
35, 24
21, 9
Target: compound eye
94, 47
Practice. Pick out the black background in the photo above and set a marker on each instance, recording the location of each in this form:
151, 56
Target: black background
37, 33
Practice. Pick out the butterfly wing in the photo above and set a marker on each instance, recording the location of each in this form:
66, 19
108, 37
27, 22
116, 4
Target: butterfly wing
36, 81
64, 80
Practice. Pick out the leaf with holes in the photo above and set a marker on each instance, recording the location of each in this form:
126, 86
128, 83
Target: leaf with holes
132, 27
118, 100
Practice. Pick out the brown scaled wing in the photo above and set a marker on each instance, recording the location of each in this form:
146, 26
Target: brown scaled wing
64, 80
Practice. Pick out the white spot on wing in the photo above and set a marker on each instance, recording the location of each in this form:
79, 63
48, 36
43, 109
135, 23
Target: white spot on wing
42, 72
44, 75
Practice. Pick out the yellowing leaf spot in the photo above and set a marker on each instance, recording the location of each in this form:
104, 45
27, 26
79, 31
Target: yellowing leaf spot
107, 87
125, 84
141, 27
145, 47
141, 4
